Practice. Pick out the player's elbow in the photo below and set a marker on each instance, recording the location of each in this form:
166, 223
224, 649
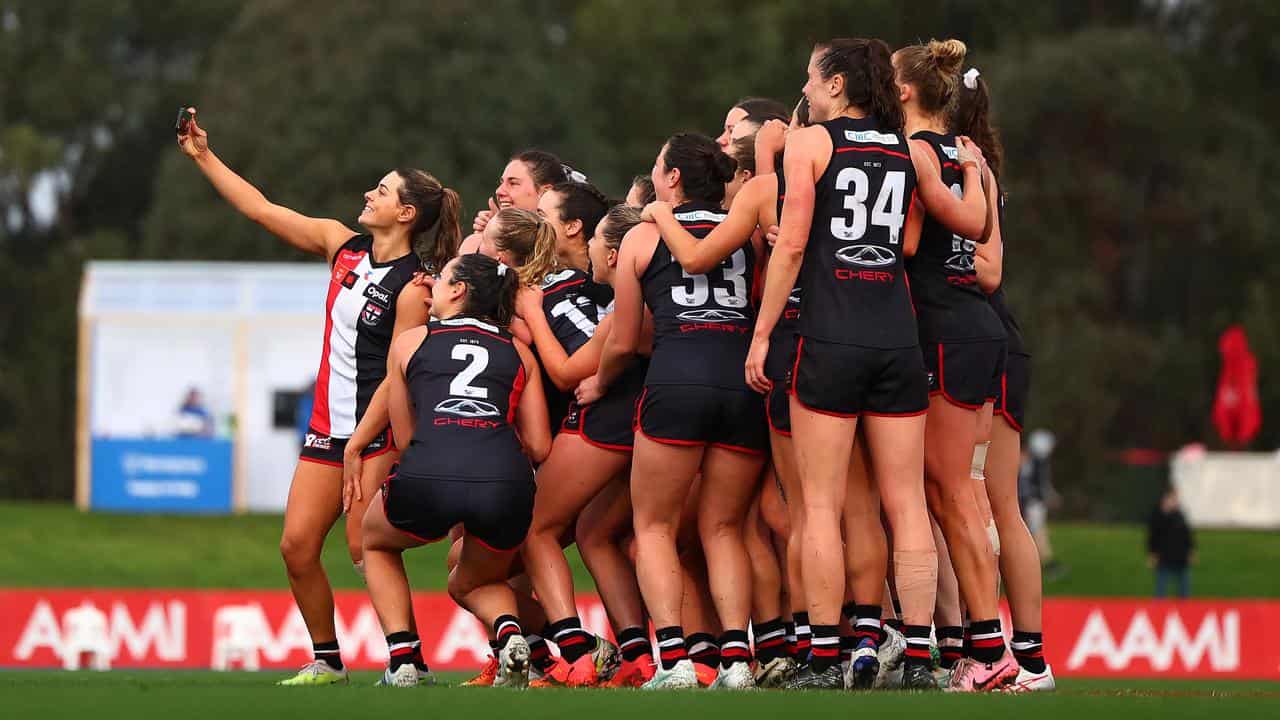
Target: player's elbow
700, 266
539, 448
989, 280
562, 383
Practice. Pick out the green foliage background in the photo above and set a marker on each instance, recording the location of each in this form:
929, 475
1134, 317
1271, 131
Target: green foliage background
1141, 172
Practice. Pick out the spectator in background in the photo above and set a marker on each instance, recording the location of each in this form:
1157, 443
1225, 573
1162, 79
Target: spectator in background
1171, 549
194, 419
1036, 495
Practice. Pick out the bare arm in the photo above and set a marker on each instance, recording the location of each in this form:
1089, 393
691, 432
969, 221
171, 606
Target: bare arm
966, 216
701, 256
628, 310
532, 423
411, 312
988, 260
565, 370
318, 236
784, 263
399, 403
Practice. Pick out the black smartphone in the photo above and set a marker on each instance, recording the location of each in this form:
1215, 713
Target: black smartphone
184, 117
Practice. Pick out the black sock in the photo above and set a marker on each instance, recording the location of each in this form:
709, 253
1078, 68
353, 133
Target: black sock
804, 637
634, 644
896, 624
917, 653
1028, 648
573, 641
987, 640
950, 645
866, 624
847, 645
735, 647
966, 642
539, 654
849, 611
505, 628
825, 650
791, 638
328, 653
703, 649
771, 640
671, 646
404, 649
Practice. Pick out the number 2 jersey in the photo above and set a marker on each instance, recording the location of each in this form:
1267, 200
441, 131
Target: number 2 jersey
360, 315
465, 381
855, 287
702, 323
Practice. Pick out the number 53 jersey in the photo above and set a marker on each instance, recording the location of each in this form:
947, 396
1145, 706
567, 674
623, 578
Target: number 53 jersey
465, 381
855, 286
702, 323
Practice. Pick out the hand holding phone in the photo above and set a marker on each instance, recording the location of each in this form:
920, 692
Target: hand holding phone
192, 139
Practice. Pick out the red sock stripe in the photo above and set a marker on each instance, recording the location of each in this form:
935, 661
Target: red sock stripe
987, 642
574, 639
860, 633
772, 643
917, 652
540, 652
1029, 653
825, 652
734, 653
677, 653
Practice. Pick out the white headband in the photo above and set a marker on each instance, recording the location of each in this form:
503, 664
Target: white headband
502, 269
971, 78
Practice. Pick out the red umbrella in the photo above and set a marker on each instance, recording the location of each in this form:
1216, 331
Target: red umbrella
1236, 412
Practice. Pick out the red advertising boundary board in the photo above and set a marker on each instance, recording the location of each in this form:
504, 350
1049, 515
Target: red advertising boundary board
262, 630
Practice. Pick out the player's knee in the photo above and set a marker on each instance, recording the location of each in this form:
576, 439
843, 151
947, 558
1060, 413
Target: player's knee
299, 553
459, 587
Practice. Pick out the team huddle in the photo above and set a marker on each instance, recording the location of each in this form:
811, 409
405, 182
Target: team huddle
775, 397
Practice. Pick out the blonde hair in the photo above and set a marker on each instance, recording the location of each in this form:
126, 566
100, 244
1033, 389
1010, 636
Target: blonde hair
934, 69
530, 241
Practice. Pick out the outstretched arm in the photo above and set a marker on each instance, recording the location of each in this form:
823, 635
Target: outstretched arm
318, 236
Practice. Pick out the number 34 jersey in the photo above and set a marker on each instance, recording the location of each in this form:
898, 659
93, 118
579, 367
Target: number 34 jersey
855, 287
465, 381
702, 323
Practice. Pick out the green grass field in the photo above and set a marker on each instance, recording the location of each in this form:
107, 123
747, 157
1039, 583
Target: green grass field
57, 546
248, 696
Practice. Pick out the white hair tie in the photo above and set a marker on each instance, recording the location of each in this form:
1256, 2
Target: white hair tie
971, 78
502, 268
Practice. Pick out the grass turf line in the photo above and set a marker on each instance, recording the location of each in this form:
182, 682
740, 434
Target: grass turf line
54, 545
248, 696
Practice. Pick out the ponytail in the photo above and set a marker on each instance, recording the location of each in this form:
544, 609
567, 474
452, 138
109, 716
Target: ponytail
971, 115
491, 288
704, 168
436, 231
933, 69
530, 241
867, 66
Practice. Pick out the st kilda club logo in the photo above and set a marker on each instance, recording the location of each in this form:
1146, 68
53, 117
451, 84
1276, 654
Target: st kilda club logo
372, 314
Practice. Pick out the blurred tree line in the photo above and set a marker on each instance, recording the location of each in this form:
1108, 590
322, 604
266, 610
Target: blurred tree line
1141, 171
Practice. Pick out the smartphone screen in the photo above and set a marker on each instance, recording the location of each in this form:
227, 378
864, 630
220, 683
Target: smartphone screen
184, 117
